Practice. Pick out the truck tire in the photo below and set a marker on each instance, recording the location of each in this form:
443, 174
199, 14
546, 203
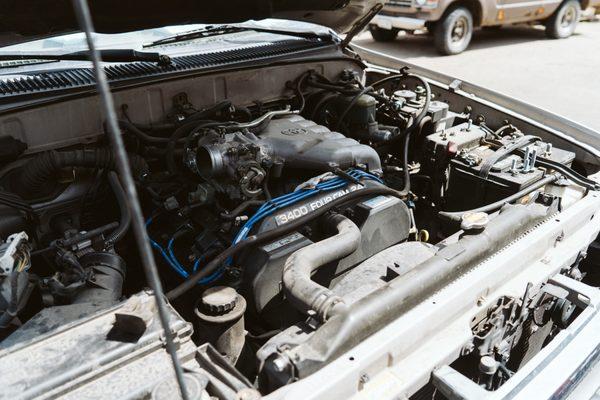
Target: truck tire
383, 35
563, 22
452, 34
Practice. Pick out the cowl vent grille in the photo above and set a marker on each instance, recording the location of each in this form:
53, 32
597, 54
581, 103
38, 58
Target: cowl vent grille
75, 78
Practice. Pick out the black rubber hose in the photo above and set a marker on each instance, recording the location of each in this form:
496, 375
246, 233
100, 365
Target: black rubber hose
503, 152
139, 129
11, 312
33, 176
416, 123
324, 99
125, 219
140, 134
241, 208
278, 232
349, 107
179, 134
263, 336
550, 165
566, 171
425, 108
457, 216
211, 111
334, 88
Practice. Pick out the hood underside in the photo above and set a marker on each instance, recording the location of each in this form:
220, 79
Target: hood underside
23, 20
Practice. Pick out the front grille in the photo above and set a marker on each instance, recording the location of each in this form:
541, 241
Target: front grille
399, 3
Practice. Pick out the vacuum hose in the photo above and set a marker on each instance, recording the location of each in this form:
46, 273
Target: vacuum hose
125, 220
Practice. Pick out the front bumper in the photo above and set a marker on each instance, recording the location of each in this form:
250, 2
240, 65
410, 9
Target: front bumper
403, 23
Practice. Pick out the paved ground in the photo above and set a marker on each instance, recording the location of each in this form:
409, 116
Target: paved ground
562, 76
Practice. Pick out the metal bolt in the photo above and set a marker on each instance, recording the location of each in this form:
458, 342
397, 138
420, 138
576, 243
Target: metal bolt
533, 158
467, 349
527, 159
364, 378
513, 167
279, 364
548, 149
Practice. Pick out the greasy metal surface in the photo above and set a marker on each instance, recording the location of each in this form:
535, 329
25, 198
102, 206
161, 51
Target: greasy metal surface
81, 352
81, 120
563, 132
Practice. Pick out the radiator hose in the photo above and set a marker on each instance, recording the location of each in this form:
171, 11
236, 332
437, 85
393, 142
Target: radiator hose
300, 290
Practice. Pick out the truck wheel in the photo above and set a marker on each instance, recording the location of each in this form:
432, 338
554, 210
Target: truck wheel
453, 33
564, 20
383, 35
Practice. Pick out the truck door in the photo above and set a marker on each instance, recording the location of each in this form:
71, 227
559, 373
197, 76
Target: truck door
511, 11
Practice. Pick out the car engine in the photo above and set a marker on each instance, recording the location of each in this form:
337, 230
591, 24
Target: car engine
286, 231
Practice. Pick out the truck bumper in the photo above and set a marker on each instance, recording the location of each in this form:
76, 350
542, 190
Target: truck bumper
403, 23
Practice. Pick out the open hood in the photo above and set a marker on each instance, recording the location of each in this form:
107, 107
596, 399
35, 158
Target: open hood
24, 20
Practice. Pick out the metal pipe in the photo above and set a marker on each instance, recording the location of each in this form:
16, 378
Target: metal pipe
300, 290
84, 18
260, 120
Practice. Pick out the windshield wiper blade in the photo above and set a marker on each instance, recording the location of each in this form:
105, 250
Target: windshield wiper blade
217, 30
107, 55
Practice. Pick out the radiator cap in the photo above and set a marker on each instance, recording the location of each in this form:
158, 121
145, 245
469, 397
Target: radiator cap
474, 221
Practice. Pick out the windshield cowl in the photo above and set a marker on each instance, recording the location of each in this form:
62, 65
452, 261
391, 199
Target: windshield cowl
138, 41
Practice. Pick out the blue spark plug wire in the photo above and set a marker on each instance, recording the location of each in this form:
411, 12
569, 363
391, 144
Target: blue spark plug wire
268, 208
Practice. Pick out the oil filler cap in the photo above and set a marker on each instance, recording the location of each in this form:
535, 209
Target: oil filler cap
219, 300
474, 221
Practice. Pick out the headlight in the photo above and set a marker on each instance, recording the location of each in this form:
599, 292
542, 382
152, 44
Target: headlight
420, 3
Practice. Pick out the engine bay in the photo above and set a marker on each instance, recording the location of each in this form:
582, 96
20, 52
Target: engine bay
288, 230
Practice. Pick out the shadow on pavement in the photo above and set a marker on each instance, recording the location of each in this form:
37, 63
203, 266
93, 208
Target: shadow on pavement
421, 44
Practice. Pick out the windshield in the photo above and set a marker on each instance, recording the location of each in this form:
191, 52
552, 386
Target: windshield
232, 36
136, 39
76, 41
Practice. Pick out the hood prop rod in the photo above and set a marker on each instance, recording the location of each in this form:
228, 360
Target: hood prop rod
82, 12
360, 24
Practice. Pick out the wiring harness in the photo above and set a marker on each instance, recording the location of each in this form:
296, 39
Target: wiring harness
328, 182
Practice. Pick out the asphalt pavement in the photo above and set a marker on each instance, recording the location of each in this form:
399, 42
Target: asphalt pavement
562, 76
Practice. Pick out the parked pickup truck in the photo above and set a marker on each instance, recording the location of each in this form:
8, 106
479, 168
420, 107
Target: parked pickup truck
452, 22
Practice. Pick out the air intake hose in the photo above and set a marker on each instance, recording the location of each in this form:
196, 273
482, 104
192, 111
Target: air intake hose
31, 180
